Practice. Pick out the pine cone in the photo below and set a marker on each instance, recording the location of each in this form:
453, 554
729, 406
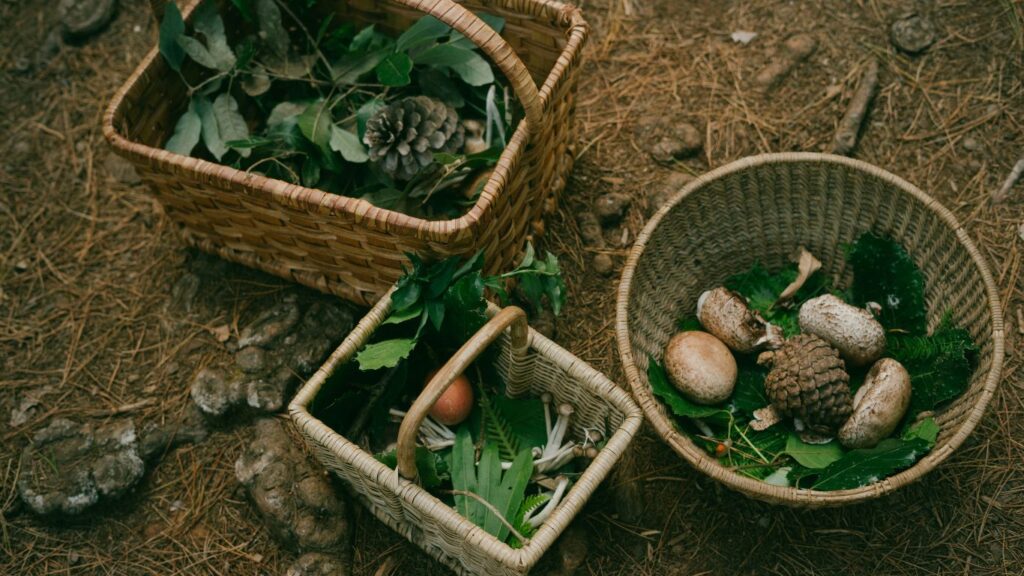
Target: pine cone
404, 135
808, 380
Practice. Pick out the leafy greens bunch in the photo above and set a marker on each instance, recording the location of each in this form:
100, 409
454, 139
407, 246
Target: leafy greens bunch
940, 366
292, 101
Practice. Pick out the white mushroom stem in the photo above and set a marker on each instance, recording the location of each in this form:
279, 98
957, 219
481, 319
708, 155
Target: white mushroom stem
433, 435
545, 463
546, 398
558, 431
538, 519
704, 428
592, 436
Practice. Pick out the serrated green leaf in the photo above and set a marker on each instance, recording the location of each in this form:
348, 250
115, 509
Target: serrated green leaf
497, 429
749, 395
883, 272
272, 31
812, 455
315, 123
172, 27
441, 276
406, 294
348, 145
762, 288
394, 70
863, 467
186, 132
673, 399
529, 505
405, 315
230, 121
422, 32
385, 354
940, 365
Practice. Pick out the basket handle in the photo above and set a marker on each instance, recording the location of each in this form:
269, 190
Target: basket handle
471, 26
457, 364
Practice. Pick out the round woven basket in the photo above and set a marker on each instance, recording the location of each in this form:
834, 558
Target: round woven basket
760, 209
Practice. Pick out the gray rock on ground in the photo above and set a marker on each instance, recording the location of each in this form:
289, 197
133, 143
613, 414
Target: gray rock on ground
279, 347
82, 19
70, 467
912, 34
610, 208
676, 142
299, 505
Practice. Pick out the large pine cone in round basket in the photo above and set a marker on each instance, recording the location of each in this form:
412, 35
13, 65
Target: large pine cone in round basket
808, 380
759, 210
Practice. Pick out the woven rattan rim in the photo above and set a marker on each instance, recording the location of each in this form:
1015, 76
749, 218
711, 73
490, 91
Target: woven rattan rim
377, 218
574, 500
804, 497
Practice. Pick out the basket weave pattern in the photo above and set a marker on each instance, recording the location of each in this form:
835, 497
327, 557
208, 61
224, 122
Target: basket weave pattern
431, 524
347, 246
760, 209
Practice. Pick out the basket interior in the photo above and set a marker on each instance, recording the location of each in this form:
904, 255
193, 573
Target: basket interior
762, 211
150, 114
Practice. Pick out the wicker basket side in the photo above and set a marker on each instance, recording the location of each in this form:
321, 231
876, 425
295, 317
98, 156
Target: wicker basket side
758, 210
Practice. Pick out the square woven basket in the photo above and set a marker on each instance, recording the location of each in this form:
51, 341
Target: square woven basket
530, 364
347, 246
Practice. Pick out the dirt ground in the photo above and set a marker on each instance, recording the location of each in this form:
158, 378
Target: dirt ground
87, 265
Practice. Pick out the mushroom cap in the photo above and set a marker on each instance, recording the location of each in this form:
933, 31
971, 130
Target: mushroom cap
701, 367
853, 331
725, 315
878, 406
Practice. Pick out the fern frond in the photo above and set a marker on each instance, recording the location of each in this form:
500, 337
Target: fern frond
498, 430
530, 503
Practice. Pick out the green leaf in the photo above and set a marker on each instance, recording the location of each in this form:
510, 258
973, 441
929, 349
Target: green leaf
464, 472
927, 430
310, 172
444, 55
510, 494
431, 468
422, 32
883, 272
406, 294
285, 111
315, 123
525, 418
488, 482
272, 31
673, 399
435, 82
361, 41
211, 132
172, 27
475, 71
813, 455
497, 429
186, 132
863, 467
530, 503
229, 121
689, 324
762, 288
940, 365
497, 23
404, 316
466, 297
749, 393
435, 311
384, 354
348, 145
354, 65
394, 70
245, 8
207, 21
442, 275
365, 112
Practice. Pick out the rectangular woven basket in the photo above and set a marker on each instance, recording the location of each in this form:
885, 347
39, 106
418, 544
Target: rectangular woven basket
530, 364
347, 246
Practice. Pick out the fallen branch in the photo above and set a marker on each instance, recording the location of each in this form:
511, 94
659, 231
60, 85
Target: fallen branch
793, 50
1004, 190
849, 127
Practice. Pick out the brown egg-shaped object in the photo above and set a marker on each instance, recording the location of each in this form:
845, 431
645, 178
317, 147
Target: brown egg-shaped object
701, 367
454, 406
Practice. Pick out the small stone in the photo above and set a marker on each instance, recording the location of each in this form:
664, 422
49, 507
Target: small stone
121, 170
21, 265
318, 564
682, 141
70, 467
74, 558
668, 190
590, 229
251, 360
309, 354
82, 19
222, 333
274, 323
971, 145
299, 505
213, 393
912, 34
611, 207
603, 264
